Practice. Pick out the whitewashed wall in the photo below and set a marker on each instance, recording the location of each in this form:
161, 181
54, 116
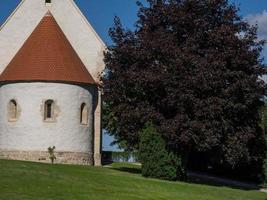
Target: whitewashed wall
31, 133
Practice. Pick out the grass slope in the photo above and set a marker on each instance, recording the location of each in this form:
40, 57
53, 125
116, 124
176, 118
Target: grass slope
34, 181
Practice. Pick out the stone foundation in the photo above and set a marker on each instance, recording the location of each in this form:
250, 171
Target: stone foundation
43, 156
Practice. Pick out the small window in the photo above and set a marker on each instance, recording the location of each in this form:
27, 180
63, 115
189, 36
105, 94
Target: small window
47, 1
84, 114
49, 110
12, 110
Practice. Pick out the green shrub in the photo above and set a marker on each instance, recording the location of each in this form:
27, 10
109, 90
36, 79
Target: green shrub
156, 161
264, 128
265, 173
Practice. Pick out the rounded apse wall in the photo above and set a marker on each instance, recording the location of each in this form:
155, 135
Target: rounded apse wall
36, 115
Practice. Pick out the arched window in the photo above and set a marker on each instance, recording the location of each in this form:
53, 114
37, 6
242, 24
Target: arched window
84, 114
12, 110
49, 110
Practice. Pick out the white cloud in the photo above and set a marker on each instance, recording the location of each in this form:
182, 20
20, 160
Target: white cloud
260, 19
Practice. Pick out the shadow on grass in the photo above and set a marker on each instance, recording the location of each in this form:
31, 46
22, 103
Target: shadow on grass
128, 170
201, 178
207, 179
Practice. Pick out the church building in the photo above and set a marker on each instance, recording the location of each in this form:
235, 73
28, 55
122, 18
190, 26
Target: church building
51, 60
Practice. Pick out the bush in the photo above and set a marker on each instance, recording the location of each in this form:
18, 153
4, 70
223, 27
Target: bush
265, 173
156, 161
264, 128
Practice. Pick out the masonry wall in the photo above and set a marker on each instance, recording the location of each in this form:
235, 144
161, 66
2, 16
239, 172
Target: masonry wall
29, 137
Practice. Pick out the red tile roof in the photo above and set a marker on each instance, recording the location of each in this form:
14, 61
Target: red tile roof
47, 55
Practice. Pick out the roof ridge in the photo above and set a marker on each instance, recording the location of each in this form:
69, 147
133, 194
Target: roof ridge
48, 13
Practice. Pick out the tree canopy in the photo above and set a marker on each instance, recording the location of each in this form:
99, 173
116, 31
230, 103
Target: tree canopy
192, 67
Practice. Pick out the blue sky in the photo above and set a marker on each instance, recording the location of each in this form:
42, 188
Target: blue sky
100, 13
250, 6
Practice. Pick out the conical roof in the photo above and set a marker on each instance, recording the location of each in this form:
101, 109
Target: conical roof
47, 55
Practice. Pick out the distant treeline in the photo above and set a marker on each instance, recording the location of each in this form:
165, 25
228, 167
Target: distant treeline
116, 156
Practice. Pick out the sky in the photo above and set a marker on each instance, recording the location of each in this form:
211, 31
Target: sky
100, 14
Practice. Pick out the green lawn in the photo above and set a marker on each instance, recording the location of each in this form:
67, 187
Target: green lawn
34, 181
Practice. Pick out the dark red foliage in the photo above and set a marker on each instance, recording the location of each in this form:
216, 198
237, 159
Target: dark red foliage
193, 68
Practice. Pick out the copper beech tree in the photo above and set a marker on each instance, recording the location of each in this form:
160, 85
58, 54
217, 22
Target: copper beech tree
192, 67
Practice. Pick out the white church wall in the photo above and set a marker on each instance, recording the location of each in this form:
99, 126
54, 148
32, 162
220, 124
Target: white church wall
30, 133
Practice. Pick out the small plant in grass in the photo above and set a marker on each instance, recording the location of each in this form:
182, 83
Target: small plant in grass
52, 156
